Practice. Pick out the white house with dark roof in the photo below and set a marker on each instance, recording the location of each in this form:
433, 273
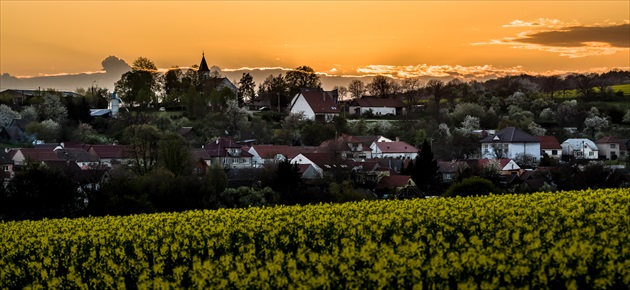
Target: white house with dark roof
581, 148
395, 149
510, 143
315, 104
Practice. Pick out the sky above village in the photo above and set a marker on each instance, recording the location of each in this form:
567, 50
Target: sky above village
342, 38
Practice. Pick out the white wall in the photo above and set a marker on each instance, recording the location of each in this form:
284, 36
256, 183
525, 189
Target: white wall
300, 105
514, 149
377, 111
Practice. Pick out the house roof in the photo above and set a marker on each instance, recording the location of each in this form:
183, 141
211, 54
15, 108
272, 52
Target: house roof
321, 159
396, 147
5, 158
510, 135
364, 165
76, 154
109, 151
185, 130
35, 154
320, 101
450, 166
220, 146
394, 164
377, 102
200, 153
577, 143
610, 139
548, 142
20, 123
393, 181
270, 151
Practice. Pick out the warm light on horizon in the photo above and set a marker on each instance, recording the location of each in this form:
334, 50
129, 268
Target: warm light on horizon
346, 38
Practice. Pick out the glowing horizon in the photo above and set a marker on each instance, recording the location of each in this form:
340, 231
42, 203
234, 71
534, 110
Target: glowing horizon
343, 39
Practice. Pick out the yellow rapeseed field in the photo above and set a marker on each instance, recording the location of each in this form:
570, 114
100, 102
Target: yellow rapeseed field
543, 240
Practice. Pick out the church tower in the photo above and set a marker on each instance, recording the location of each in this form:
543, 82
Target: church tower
204, 70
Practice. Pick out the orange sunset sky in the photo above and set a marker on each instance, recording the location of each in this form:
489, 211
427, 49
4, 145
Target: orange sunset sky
349, 38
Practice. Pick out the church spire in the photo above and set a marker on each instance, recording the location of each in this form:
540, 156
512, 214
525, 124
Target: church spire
203, 67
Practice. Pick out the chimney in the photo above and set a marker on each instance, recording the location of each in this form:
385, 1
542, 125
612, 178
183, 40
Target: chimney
397, 139
324, 96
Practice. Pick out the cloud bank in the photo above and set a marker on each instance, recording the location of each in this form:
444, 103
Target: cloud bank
568, 39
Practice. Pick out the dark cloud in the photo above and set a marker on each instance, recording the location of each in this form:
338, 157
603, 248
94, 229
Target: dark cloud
114, 65
577, 36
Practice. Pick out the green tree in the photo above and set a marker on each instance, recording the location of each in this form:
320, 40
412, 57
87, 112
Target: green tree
40, 192
174, 88
140, 85
246, 88
471, 186
287, 182
51, 107
276, 89
47, 130
7, 115
302, 77
174, 155
426, 171
142, 147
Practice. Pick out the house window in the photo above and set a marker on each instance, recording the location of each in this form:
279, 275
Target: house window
5, 168
613, 146
591, 153
554, 152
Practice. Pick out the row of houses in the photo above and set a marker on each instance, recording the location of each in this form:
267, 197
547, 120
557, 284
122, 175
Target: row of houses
375, 160
512, 142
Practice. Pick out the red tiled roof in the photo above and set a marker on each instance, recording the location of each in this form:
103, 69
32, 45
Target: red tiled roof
548, 142
320, 101
393, 181
109, 151
396, 147
610, 139
35, 154
320, 159
200, 153
270, 151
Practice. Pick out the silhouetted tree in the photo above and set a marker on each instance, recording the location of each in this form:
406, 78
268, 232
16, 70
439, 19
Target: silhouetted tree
40, 192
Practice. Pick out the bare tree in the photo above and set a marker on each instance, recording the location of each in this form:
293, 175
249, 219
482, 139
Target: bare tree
356, 88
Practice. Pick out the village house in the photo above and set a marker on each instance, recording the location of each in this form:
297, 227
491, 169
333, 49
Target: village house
394, 149
376, 106
321, 163
352, 147
315, 104
510, 142
269, 154
228, 153
549, 145
7, 165
580, 148
110, 155
397, 186
15, 132
611, 148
